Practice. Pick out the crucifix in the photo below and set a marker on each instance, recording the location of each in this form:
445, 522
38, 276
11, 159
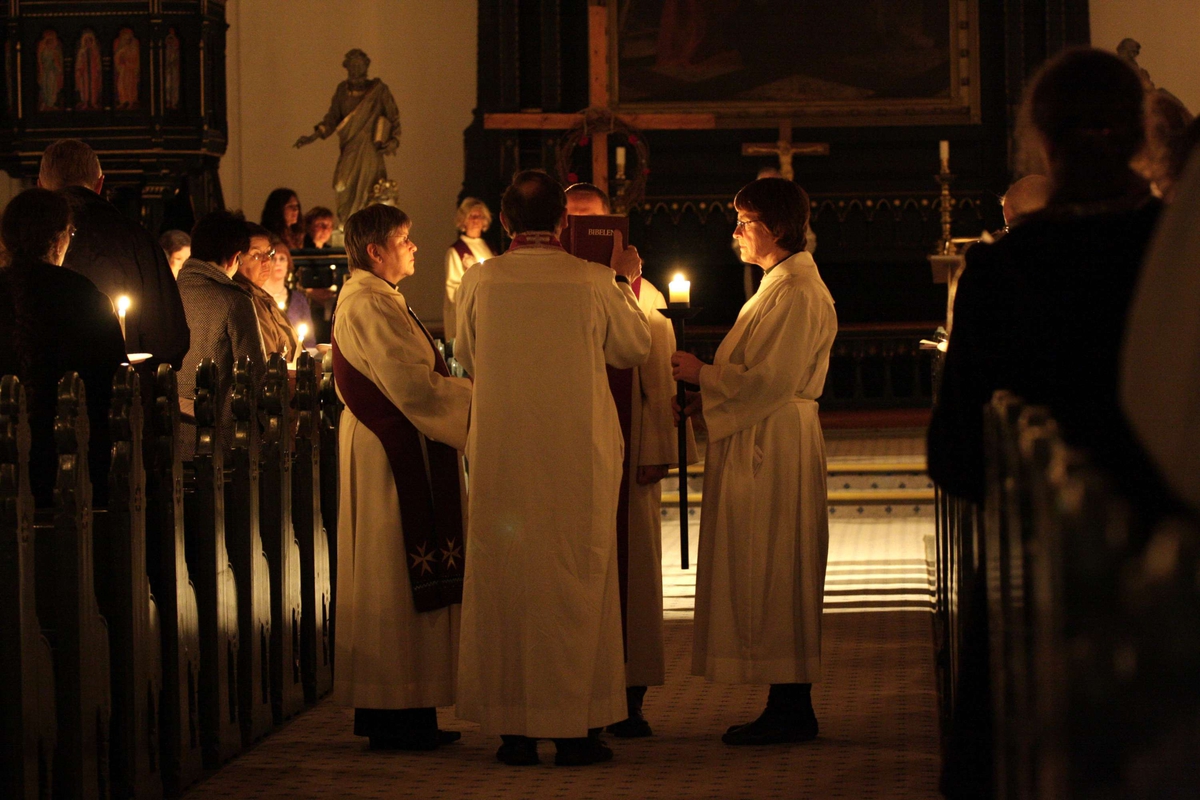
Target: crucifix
598, 98
785, 148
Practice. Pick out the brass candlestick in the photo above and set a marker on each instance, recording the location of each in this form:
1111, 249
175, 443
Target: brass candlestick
945, 245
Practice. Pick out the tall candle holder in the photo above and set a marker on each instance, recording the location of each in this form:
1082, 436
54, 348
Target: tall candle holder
945, 245
679, 314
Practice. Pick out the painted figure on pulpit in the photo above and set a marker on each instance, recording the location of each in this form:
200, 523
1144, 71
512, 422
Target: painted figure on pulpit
89, 83
50, 72
365, 118
127, 68
171, 76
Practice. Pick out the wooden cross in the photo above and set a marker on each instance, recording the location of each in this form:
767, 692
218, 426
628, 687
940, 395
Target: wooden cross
785, 148
598, 98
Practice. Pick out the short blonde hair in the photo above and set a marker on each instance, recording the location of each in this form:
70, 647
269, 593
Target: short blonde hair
69, 162
466, 207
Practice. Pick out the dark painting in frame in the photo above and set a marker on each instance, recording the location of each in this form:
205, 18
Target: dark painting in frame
817, 62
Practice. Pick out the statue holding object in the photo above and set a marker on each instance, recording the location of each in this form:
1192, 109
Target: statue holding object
364, 115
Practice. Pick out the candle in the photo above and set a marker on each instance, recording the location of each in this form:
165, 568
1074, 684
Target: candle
302, 332
620, 162
944, 152
679, 290
122, 307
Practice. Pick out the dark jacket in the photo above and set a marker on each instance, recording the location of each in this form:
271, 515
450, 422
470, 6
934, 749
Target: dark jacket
224, 328
122, 258
1042, 314
52, 321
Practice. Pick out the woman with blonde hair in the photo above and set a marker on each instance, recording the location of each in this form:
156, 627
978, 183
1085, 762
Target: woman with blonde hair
472, 220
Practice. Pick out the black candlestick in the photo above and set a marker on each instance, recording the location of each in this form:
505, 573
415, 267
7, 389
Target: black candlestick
679, 314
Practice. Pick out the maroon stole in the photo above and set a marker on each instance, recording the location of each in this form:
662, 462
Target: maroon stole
620, 382
462, 248
430, 511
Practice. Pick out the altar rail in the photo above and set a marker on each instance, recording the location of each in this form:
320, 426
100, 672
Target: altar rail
146, 641
1068, 628
872, 366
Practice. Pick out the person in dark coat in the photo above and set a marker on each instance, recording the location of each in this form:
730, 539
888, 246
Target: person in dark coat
118, 255
54, 321
1042, 313
221, 316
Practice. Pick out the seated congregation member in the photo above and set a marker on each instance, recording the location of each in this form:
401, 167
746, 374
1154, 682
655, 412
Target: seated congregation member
1028, 195
53, 320
118, 255
278, 335
1042, 311
400, 566
281, 216
643, 395
764, 525
541, 653
178, 248
318, 228
472, 219
221, 315
293, 302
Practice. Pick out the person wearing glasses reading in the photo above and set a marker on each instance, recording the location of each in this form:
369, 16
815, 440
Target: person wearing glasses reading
764, 525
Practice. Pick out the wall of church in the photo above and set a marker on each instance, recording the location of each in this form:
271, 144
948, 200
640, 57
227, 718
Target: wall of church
1168, 31
284, 60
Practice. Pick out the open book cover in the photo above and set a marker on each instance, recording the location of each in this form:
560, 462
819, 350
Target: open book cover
591, 237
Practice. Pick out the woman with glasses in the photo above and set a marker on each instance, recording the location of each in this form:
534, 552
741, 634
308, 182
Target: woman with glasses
278, 336
764, 527
292, 302
52, 320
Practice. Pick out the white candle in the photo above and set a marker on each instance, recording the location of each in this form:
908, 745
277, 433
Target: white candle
122, 307
302, 332
620, 162
944, 152
679, 290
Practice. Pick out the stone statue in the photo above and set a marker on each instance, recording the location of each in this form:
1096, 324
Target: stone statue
364, 116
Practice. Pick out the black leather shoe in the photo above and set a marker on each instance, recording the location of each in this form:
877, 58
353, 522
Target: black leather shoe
630, 728
773, 728
581, 752
448, 737
518, 751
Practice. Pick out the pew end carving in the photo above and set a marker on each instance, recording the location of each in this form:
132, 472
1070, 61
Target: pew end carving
331, 411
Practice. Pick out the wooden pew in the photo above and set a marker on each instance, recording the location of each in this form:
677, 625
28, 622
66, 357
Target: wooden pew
28, 724
250, 569
279, 541
315, 646
216, 588
123, 592
179, 721
331, 412
67, 608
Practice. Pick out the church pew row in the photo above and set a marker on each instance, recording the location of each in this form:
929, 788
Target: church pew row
1091, 623
145, 641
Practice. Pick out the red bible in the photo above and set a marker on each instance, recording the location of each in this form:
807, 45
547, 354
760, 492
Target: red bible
591, 238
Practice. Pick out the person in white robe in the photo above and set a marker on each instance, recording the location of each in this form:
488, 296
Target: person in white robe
473, 219
1160, 363
396, 663
764, 525
541, 650
653, 450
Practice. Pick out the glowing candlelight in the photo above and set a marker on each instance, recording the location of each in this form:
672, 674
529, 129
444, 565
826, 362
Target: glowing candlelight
944, 152
122, 308
302, 332
282, 304
679, 290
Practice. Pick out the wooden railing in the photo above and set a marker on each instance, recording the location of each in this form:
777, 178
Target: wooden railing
164, 633
1090, 618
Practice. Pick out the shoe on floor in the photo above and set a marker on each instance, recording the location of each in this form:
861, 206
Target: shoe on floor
410, 740
581, 752
448, 737
773, 728
630, 728
518, 751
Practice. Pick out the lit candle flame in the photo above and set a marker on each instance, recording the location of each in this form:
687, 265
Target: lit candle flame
122, 305
282, 304
302, 332
679, 290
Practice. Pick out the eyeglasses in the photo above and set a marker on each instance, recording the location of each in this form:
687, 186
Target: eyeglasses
744, 223
263, 257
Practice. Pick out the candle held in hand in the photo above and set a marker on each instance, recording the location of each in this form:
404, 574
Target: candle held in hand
122, 308
302, 332
944, 153
679, 290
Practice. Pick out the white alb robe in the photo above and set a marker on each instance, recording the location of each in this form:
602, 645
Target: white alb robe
541, 651
764, 526
388, 654
455, 269
653, 441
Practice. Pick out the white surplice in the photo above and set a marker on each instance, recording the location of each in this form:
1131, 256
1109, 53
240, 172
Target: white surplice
541, 650
653, 440
388, 654
764, 526
455, 269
